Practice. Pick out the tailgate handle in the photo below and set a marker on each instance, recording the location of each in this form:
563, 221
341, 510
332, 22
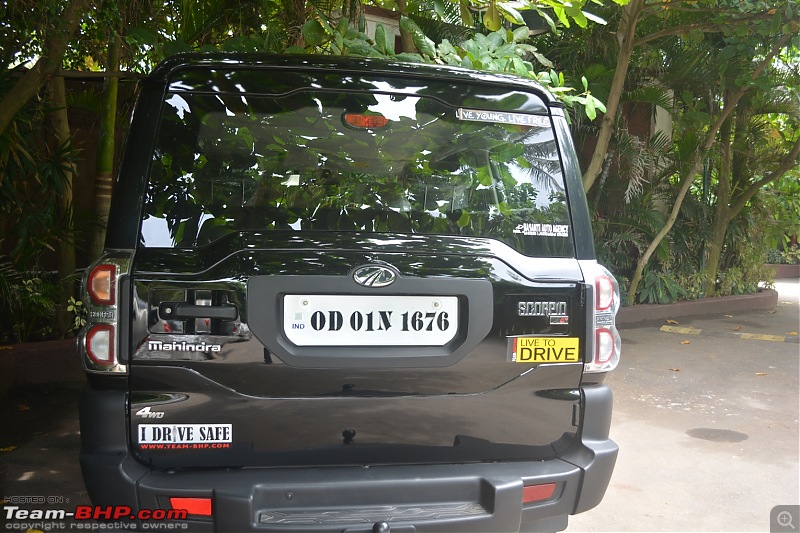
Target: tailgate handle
184, 310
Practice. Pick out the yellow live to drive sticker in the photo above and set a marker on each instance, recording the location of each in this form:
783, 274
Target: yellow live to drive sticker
544, 350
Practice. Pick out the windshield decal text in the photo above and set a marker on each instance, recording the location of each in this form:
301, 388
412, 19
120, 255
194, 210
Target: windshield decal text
501, 117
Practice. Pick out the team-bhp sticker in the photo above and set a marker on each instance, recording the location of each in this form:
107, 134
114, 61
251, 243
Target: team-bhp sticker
544, 350
167, 436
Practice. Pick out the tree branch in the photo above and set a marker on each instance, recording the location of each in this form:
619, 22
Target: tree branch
625, 37
789, 161
707, 27
52, 56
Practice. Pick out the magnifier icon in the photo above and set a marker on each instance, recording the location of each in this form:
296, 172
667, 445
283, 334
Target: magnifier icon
785, 519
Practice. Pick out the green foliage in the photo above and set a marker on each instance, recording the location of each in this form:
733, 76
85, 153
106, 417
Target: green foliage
782, 199
790, 256
659, 288
27, 300
79, 313
33, 179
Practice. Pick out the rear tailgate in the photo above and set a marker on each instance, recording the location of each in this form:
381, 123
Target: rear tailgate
218, 368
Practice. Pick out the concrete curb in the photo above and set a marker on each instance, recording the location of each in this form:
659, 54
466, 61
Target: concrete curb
765, 299
785, 271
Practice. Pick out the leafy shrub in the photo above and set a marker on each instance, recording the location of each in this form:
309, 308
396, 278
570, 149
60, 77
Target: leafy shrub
28, 299
659, 288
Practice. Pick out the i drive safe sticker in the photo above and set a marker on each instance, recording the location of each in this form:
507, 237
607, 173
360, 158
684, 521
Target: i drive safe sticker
544, 350
185, 433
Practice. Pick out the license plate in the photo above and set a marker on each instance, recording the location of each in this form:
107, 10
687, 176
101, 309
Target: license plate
544, 350
342, 320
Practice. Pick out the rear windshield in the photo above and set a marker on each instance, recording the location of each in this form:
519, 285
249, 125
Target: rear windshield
369, 162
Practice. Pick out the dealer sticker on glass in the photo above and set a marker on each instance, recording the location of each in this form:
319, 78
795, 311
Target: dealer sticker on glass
543, 350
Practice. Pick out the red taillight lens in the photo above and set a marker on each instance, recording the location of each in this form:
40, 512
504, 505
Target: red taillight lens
101, 284
100, 344
193, 506
604, 290
537, 493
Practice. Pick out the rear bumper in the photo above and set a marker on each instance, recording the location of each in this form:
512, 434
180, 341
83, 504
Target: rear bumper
411, 498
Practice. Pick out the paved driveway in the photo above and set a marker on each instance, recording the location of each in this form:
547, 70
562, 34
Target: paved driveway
706, 418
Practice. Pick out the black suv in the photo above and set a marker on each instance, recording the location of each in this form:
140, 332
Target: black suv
348, 295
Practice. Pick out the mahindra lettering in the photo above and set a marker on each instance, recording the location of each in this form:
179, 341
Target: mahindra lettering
341, 295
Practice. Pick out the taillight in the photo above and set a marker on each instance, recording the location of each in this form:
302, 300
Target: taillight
607, 342
102, 284
100, 337
605, 346
100, 344
604, 292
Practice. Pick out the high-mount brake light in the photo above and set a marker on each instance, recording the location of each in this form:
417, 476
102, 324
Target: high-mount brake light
101, 284
365, 122
100, 344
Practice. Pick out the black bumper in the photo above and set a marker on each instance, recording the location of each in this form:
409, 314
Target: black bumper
410, 498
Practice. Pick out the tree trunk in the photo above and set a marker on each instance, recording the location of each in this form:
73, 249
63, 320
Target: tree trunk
406, 39
66, 246
105, 150
50, 61
713, 249
626, 38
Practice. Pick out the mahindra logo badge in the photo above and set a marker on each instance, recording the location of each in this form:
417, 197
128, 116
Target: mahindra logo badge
374, 276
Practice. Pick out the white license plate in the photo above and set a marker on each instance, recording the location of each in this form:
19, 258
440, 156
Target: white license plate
341, 320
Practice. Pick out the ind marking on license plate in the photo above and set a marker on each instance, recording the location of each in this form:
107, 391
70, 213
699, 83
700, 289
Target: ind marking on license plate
544, 350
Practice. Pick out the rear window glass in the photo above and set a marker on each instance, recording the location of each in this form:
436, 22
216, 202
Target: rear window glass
376, 162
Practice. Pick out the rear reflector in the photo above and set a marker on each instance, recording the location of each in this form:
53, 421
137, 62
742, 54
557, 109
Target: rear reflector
101, 284
100, 344
537, 493
193, 506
